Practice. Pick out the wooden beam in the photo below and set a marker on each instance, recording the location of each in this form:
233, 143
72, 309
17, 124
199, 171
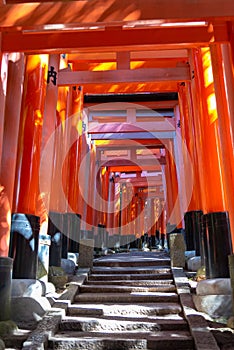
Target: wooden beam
110, 40
127, 144
154, 161
156, 179
122, 88
180, 54
134, 168
147, 104
162, 126
84, 12
179, 74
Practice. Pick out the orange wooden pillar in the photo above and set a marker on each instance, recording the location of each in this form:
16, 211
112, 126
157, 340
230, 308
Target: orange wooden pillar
117, 207
174, 216
192, 183
111, 205
91, 187
10, 139
74, 156
3, 91
196, 106
12, 121
207, 124
223, 84
48, 142
58, 202
26, 193
97, 191
133, 217
104, 195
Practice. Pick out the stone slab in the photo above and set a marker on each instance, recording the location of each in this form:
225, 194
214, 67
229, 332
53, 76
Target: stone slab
189, 254
214, 305
177, 250
86, 250
216, 286
194, 263
73, 256
143, 310
47, 327
26, 288
28, 308
203, 338
68, 266
127, 297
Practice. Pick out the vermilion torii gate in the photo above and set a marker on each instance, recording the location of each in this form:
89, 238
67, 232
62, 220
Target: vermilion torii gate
56, 54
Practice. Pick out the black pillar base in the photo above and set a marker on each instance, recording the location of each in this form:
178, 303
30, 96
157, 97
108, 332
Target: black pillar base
217, 244
6, 265
193, 230
55, 226
24, 245
74, 221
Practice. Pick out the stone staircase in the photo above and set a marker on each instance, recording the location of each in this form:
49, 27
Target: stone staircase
128, 302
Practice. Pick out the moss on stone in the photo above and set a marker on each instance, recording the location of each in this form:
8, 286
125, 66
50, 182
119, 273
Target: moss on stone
7, 328
2, 344
201, 273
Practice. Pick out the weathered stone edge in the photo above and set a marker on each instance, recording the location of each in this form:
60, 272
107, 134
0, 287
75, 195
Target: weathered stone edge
49, 325
203, 338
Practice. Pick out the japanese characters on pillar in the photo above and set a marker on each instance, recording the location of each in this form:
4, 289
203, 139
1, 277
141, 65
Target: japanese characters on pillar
48, 141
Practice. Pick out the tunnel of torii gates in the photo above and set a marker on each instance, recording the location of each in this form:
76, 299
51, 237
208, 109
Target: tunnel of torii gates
120, 111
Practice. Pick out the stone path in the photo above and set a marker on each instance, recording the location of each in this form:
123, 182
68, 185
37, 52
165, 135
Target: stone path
127, 301
131, 301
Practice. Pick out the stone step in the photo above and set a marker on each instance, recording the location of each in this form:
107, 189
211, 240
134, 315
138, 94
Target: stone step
131, 270
136, 297
97, 324
125, 310
138, 283
159, 276
133, 263
121, 340
125, 289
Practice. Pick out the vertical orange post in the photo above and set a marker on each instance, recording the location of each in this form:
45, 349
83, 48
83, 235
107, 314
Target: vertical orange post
208, 125
58, 201
9, 145
105, 189
224, 128
12, 121
187, 134
172, 186
48, 141
26, 194
196, 106
3, 85
91, 197
73, 156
